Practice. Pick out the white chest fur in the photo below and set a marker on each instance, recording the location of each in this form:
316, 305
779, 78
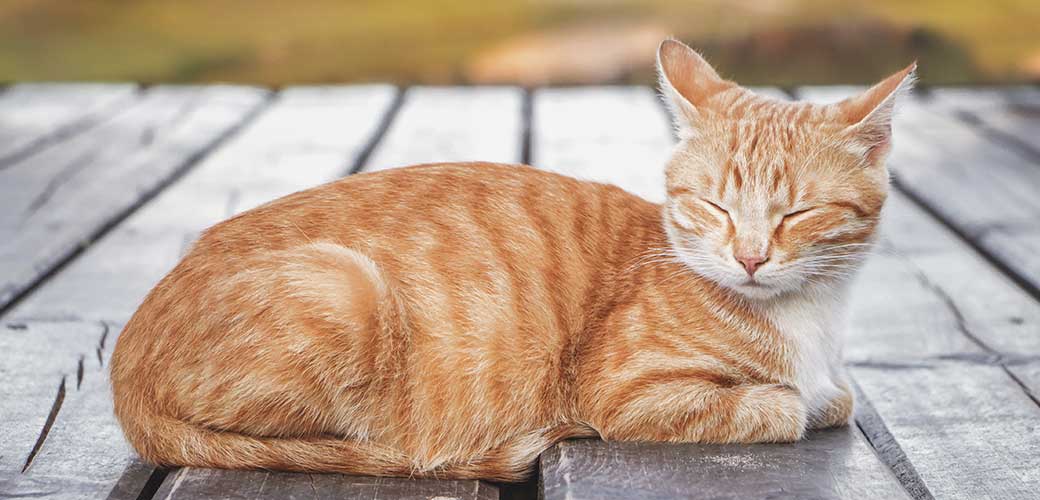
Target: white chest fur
813, 326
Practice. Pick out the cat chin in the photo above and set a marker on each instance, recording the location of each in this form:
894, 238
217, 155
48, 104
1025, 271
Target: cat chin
758, 291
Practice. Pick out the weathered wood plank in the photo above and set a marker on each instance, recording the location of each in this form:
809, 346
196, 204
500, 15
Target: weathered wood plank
1029, 376
191, 484
1013, 111
618, 135
33, 115
53, 202
440, 124
927, 294
628, 138
307, 136
829, 464
986, 190
41, 360
969, 432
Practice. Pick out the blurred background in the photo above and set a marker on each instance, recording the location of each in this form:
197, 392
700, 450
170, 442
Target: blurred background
280, 42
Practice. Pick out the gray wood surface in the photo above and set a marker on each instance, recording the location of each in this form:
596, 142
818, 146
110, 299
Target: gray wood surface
1028, 374
828, 464
55, 201
1013, 111
192, 484
306, 136
440, 124
36, 115
984, 188
925, 294
628, 135
618, 135
969, 432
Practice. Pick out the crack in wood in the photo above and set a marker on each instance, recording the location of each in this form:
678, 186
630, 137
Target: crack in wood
76, 127
887, 448
66, 173
1014, 276
951, 305
79, 372
105, 329
1022, 385
51, 417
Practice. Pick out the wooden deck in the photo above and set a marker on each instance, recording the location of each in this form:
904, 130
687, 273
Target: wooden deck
103, 187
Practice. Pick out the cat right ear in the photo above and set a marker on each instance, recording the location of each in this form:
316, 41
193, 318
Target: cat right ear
687, 81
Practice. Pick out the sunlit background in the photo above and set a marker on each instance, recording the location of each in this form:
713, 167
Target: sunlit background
280, 42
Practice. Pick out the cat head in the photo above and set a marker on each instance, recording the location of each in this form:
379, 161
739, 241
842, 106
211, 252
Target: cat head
767, 197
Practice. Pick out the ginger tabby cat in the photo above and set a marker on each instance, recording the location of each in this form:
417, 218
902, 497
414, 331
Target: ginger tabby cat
455, 320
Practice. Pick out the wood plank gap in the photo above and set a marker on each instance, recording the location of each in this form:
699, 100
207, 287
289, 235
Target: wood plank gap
69, 130
155, 480
526, 122
384, 124
1017, 278
972, 119
188, 164
51, 417
888, 450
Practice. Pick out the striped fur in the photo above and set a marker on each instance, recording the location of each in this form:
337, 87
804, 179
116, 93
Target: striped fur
454, 320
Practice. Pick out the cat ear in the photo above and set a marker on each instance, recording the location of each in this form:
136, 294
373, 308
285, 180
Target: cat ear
687, 81
869, 115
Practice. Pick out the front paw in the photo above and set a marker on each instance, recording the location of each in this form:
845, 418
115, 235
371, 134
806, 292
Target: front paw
837, 412
782, 413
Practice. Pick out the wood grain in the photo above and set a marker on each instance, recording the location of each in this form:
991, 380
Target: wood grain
36, 115
55, 201
968, 430
828, 464
192, 484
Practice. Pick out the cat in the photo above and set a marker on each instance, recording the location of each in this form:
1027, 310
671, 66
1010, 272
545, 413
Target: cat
455, 320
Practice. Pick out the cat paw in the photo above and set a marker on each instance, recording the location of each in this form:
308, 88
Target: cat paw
776, 414
837, 413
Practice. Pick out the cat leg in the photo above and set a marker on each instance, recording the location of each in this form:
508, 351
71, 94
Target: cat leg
703, 412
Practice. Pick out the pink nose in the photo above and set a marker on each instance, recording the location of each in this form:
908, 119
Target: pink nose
751, 263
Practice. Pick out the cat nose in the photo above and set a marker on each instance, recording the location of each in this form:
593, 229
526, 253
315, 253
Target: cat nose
751, 263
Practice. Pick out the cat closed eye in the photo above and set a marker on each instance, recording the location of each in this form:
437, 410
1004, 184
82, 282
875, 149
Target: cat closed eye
716, 207
793, 215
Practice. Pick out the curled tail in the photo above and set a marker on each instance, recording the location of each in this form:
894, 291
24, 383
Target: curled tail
171, 442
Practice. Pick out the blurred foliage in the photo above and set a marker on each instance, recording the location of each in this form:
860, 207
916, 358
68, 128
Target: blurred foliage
278, 42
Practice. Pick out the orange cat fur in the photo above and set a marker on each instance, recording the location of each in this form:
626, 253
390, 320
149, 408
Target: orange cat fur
455, 320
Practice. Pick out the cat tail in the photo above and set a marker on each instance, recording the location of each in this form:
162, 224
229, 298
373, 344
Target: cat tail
167, 441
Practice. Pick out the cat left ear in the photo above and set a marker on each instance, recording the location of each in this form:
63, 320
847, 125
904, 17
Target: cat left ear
869, 114
687, 81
